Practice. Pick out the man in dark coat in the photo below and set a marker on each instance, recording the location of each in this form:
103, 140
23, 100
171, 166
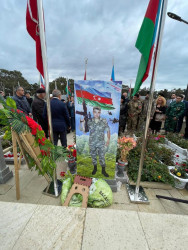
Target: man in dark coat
37, 109
29, 98
60, 118
21, 101
186, 116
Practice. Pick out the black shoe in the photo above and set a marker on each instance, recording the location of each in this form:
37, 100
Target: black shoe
104, 172
94, 170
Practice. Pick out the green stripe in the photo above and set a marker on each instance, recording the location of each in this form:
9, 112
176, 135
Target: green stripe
143, 44
95, 103
69, 93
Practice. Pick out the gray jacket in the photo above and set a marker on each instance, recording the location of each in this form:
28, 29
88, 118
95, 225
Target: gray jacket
22, 104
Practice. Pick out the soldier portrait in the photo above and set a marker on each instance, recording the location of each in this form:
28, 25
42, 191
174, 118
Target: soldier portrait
97, 107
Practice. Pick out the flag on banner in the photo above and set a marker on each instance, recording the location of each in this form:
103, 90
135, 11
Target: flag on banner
113, 74
145, 41
68, 89
32, 25
41, 82
94, 97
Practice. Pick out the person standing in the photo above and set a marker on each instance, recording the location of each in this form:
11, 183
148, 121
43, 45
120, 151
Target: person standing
71, 108
143, 114
97, 128
186, 117
21, 101
37, 109
29, 99
172, 99
174, 111
159, 115
60, 118
123, 114
134, 109
180, 121
126, 97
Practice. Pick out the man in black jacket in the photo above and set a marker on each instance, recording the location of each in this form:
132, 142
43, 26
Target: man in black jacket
60, 118
21, 101
37, 109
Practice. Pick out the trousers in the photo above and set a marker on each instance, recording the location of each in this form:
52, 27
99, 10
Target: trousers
63, 138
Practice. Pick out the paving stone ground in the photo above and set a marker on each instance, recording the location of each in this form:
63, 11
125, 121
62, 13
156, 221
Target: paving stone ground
38, 221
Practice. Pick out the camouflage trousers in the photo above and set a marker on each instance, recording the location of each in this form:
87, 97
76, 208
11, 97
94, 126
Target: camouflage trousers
141, 123
97, 150
132, 123
170, 125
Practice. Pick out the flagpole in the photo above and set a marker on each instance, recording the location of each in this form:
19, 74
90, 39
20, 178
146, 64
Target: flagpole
138, 197
46, 78
39, 81
85, 75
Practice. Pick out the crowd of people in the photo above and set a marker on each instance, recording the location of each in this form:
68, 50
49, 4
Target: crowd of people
62, 113
167, 113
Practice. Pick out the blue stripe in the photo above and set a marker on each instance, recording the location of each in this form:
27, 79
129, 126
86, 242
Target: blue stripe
156, 23
93, 91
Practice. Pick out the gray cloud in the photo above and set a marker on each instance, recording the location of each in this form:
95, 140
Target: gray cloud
97, 30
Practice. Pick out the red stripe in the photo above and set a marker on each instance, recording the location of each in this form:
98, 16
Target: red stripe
97, 98
149, 64
152, 10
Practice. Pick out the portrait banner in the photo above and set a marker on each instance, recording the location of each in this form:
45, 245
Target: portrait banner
97, 108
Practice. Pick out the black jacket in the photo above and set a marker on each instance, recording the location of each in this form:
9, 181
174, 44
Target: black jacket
60, 115
37, 109
22, 104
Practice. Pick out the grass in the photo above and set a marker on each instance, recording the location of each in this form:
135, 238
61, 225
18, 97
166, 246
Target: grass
85, 166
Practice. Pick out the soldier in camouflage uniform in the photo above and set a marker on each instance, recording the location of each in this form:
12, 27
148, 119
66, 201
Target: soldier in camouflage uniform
143, 114
134, 109
97, 127
174, 111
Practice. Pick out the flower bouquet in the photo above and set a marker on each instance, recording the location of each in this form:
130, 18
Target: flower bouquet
71, 154
125, 144
180, 174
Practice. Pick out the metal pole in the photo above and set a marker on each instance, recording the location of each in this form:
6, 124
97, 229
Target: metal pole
46, 78
152, 87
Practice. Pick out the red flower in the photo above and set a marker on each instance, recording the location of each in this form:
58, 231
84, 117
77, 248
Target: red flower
42, 141
177, 156
177, 163
33, 125
74, 153
5, 156
186, 170
183, 164
62, 174
43, 152
19, 111
70, 146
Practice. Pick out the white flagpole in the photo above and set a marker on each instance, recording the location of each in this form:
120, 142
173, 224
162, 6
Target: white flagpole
139, 197
46, 78
39, 81
55, 85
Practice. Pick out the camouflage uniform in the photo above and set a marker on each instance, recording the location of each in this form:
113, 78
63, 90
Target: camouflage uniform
176, 109
97, 139
143, 114
134, 108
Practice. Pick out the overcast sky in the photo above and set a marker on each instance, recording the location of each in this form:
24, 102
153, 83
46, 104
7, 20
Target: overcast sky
98, 30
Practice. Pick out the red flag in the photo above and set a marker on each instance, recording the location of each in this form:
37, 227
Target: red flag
32, 25
85, 75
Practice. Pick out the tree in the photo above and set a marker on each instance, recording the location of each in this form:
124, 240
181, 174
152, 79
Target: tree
9, 80
61, 83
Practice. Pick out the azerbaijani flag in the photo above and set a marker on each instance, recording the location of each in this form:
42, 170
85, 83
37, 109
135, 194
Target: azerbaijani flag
68, 89
94, 97
113, 74
145, 41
